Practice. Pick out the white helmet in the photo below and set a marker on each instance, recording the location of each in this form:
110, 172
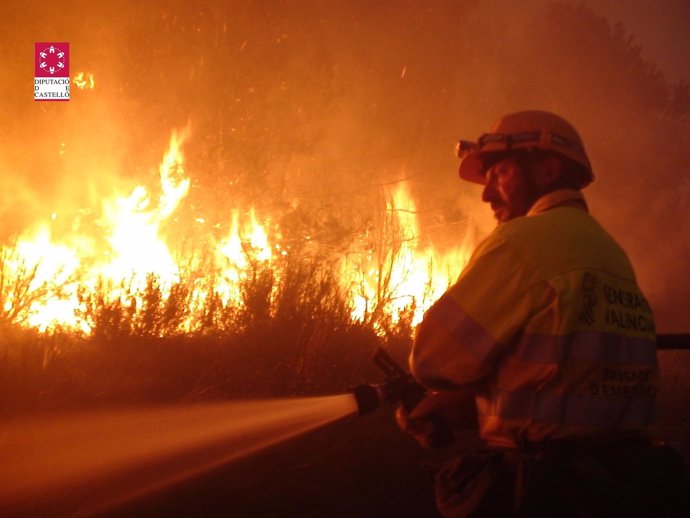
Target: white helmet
524, 130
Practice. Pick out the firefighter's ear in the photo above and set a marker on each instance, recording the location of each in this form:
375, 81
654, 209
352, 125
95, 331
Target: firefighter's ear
548, 173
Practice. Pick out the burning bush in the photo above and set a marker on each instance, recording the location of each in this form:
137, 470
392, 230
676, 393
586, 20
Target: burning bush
118, 303
124, 270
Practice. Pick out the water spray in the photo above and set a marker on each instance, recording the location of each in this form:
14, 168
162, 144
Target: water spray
85, 463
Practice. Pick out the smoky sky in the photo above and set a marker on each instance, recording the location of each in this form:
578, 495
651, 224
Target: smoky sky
317, 106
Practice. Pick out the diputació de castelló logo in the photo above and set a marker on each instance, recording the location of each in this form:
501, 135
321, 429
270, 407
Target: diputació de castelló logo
51, 71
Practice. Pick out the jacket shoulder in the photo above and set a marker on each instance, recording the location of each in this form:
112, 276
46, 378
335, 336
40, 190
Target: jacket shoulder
564, 239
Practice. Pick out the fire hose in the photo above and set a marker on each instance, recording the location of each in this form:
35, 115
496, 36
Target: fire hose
399, 387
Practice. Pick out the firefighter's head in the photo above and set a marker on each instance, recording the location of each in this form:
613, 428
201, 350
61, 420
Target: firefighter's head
526, 155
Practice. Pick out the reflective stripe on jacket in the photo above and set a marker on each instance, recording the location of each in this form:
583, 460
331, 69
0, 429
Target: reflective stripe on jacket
548, 323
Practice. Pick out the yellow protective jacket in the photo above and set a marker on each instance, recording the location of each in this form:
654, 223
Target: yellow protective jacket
548, 325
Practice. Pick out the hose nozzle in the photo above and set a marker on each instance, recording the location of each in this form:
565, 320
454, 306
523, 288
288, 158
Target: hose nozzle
398, 387
368, 397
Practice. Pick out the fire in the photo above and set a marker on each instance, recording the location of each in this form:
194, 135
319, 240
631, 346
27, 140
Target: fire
47, 280
38, 278
53, 270
134, 224
244, 244
401, 274
84, 81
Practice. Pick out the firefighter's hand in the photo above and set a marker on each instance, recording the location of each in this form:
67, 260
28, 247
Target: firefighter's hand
433, 420
422, 430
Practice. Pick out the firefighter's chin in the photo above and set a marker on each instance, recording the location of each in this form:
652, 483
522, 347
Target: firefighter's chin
501, 213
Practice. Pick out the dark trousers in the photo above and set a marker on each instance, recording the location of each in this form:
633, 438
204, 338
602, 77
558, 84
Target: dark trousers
631, 479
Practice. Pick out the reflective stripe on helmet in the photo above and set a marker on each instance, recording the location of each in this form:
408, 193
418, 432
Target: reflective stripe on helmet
540, 139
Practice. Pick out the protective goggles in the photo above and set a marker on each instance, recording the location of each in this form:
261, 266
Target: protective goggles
509, 141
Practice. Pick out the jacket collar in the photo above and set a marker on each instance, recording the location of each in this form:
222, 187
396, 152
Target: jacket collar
561, 197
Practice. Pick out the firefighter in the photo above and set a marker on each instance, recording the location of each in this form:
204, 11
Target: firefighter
547, 329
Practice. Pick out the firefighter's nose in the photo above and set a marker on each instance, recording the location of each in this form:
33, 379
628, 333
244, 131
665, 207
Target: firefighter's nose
488, 193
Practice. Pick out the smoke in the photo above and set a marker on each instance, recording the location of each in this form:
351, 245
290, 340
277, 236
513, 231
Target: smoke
318, 105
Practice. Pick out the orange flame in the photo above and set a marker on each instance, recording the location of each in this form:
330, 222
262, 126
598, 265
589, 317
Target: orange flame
398, 274
39, 266
134, 224
84, 81
235, 253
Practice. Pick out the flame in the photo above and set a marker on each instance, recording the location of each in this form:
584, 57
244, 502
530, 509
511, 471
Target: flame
52, 271
244, 245
134, 224
84, 81
405, 275
47, 279
39, 267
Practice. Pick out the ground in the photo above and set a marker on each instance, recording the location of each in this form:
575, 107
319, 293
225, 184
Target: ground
356, 467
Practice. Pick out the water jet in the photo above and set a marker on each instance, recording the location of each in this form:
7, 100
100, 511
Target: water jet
79, 464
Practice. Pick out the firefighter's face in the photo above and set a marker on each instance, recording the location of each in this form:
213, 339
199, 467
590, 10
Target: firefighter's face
507, 190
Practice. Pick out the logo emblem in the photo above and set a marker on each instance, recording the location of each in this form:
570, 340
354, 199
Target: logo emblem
51, 71
589, 299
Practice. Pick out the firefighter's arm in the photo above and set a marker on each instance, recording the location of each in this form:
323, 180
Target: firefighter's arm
437, 417
461, 337
466, 330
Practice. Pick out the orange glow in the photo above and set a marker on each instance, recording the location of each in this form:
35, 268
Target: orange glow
134, 244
